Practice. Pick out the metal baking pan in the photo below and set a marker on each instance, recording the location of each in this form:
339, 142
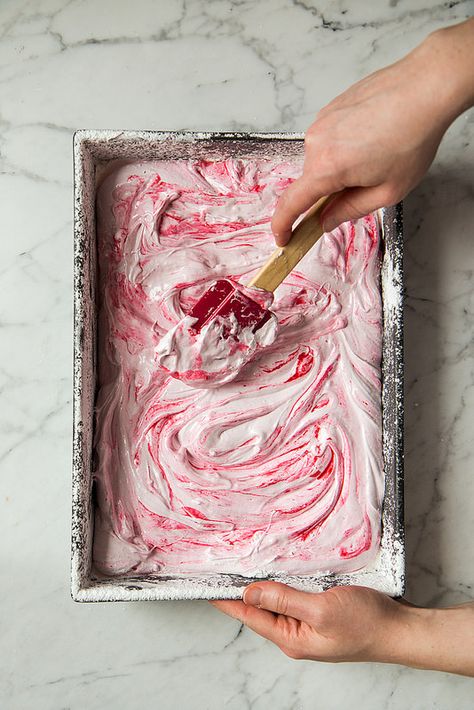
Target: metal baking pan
93, 150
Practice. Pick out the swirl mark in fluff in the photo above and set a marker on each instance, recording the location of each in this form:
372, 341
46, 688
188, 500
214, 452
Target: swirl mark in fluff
277, 471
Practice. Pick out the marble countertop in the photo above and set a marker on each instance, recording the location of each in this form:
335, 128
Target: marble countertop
217, 65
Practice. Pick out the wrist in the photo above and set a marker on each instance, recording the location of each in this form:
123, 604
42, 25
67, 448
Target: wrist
429, 639
448, 57
402, 635
411, 634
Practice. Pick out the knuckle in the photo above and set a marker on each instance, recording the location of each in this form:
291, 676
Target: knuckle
310, 133
311, 138
284, 200
281, 604
286, 210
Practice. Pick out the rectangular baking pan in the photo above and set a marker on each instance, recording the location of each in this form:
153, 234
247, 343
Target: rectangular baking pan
93, 151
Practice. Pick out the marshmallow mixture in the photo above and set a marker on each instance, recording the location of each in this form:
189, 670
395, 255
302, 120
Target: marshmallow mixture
280, 469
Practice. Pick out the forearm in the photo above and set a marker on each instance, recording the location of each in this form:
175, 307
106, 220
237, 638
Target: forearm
438, 639
431, 639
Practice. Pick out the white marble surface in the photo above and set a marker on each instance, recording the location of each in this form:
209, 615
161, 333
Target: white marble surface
220, 65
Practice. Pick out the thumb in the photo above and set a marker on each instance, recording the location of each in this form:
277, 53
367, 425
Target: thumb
354, 202
279, 598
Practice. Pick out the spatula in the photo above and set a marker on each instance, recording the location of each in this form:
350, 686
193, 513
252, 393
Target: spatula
223, 298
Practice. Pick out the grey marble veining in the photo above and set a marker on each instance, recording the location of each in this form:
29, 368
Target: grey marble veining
213, 65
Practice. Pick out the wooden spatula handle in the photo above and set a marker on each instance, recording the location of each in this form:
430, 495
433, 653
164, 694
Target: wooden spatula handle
284, 259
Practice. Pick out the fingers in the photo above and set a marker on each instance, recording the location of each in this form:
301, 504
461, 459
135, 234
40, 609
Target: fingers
355, 202
296, 199
280, 599
272, 610
261, 621
232, 608
351, 203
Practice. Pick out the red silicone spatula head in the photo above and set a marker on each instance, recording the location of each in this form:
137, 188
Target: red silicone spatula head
224, 299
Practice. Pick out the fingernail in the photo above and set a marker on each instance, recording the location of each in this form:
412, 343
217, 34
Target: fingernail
281, 240
253, 596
